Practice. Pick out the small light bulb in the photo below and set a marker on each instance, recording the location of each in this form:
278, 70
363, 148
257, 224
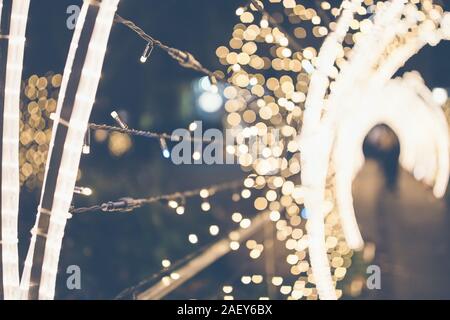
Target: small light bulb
214, 230
227, 289
175, 276
193, 238
234, 245
147, 51
245, 223
166, 263
164, 148
239, 11
87, 142
193, 126
85, 191
173, 204
206, 206
180, 210
264, 23
196, 155
204, 193
119, 121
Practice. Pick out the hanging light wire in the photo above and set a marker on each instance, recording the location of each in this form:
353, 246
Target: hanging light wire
129, 204
184, 58
146, 134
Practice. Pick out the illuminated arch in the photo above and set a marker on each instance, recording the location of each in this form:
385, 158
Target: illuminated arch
369, 68
422, 131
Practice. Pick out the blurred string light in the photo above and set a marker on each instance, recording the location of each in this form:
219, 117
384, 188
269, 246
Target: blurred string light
268, 19
192, 265
290, 232
12, 51
173, 200
276, 102
296, 245
176, 202
38, 104
174, 274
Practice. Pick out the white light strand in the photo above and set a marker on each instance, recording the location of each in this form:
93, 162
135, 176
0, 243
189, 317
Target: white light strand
10, 144
77, 126
26, 274
84, 101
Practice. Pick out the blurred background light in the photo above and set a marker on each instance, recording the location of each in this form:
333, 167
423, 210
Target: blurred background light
210, 102
208, 96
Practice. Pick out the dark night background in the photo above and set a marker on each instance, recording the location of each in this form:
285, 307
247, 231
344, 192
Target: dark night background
115, 251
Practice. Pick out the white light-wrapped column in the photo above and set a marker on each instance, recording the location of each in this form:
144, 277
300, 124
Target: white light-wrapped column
10, 148
25, 280
53, 217
84, 101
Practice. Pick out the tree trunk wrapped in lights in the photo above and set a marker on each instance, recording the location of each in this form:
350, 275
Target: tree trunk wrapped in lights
12, 45
76, 98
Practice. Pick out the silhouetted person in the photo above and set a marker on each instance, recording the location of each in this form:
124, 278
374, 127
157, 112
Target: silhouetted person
382, 145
